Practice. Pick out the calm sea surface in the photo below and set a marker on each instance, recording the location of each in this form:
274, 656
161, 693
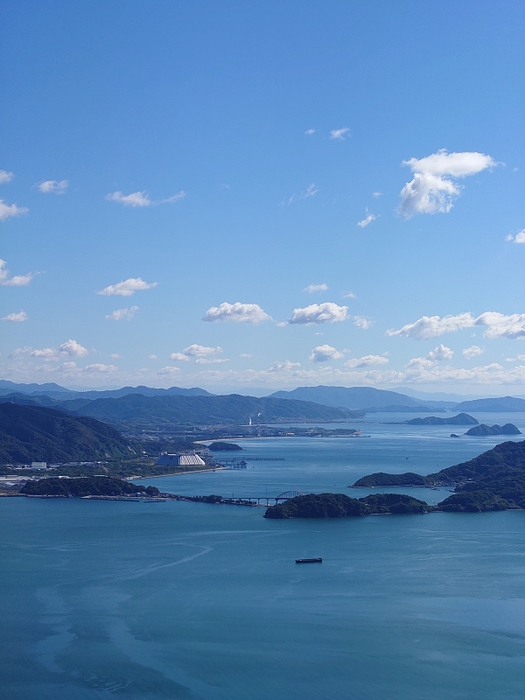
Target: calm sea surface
158, 601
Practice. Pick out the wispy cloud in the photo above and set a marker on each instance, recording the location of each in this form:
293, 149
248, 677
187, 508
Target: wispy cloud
168, 371
319, 313
518, 238
310, 191
497, 325
349, 295
53, 186
200, 354
5, 177
434, 326
127, 287
99, 368
17, 280
363, 322
472, 351
377, 194
366, 361
236, 313
16, 317
309, 132
316, 288
123, 314
323, 353
367, 220
9, 210
339, 134
433, 188
142, 199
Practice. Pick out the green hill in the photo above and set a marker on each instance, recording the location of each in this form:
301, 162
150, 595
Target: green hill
494, 480
136, 410
38, 434
504, 404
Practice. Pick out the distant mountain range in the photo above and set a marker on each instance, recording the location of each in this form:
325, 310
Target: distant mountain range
365, 398
505, 404
59, 392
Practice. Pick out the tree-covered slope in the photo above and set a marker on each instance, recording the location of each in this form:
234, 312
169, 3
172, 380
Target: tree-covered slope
137, 410
494, 480
339, 505
86, 486
35, 433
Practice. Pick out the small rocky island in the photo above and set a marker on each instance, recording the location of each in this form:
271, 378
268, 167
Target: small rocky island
339, 505
482, 430
460, 419
224, 447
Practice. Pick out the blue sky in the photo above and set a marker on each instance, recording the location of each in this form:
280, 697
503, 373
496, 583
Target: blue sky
336, 188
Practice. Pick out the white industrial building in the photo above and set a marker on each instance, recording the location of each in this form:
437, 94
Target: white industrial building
181, 460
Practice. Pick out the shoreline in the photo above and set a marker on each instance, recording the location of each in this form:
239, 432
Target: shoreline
181, 473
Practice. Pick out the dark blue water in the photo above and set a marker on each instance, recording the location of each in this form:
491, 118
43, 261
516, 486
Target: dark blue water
181, 600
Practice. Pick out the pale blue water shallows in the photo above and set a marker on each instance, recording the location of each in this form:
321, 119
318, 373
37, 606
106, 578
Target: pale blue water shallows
168, 601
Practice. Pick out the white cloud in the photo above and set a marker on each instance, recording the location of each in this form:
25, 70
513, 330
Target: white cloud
17, 281
200, 354
339, 134
319, 313
135, 199
502, 326
518, 238
440, 354
68, 349
152, 357
246, 355
123, 314
127, 287
15, 317
432, 190
377, 194
349, 295
472, 351
115, 356
283, 367
169, 370
366, 361
362, 322
323, 353
53, 186
8, 210
316, 288
5, 177
236, 313
498, 325
99, 368
434, 326
309, 132
142, 199
367, 220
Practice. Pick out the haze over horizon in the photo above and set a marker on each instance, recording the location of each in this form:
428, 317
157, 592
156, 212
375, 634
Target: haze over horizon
264, 196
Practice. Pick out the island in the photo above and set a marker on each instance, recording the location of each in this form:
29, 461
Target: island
460, 419
482, 430
339, 505
224, 447
495, 480
79, 487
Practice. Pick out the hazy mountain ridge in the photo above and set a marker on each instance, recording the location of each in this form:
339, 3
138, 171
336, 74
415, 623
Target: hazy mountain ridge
136, 409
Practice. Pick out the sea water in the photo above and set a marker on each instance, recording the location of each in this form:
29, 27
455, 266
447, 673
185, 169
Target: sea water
186, 600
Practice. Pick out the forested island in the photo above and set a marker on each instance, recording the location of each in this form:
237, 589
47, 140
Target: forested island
87, 486
495, 480
339, 505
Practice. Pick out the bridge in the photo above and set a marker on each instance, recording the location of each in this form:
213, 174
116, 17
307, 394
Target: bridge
242, 500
